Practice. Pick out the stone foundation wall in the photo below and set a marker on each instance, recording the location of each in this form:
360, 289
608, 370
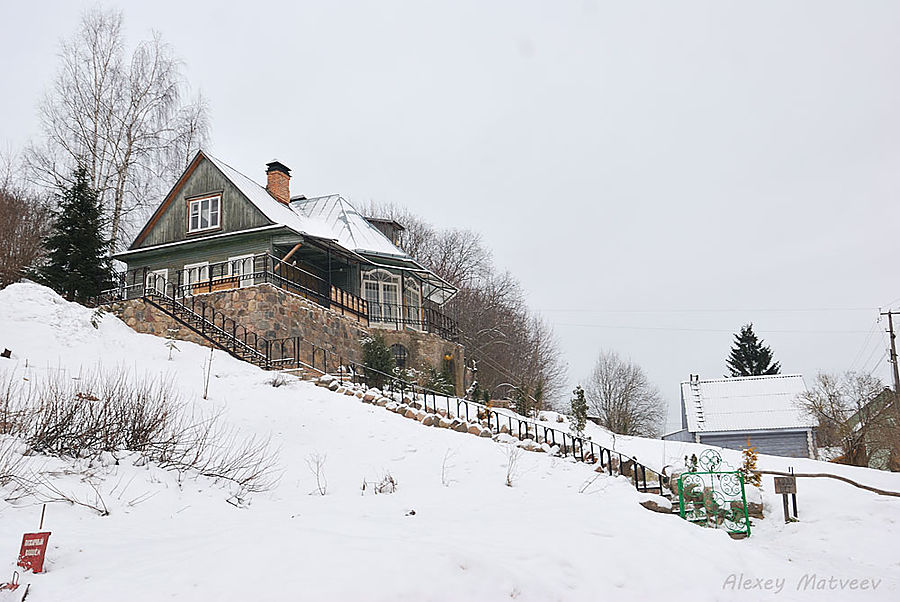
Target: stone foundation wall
145, 318
276, 314
424, 348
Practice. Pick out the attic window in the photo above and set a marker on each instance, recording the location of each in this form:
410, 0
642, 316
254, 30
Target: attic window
203, 214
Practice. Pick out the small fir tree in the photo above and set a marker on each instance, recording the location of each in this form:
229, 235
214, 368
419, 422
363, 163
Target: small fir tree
748, 466
691, 463
78, 265
438, 381
378, 360
522, 401
749, 356
579, 411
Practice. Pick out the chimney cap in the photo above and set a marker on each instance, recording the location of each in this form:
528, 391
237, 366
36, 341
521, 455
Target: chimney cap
276, 165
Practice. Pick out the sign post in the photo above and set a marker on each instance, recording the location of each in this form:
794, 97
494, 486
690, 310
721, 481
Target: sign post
34, 547
785, 486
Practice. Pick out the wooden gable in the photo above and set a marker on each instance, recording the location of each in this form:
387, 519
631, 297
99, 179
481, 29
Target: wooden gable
169, 222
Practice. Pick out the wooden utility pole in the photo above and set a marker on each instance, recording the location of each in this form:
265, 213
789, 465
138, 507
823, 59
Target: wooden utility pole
890, 317
894, 462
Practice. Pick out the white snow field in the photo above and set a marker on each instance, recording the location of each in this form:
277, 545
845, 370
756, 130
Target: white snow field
549, 537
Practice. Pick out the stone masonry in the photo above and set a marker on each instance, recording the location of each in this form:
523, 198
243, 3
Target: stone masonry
274, 313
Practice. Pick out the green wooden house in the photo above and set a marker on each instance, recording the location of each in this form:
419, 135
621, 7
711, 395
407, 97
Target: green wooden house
218, 229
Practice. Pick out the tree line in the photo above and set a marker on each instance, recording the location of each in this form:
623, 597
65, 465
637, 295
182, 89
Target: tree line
511, 351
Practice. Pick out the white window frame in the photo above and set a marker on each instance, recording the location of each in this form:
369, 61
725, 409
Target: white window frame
380, 309
241, 261
412, 304
210, 214
153, 280
186, 272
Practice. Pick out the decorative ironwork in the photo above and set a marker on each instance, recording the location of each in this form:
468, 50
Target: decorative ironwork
713, 495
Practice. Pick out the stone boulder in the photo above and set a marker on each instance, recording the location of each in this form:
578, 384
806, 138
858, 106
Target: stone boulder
659, 504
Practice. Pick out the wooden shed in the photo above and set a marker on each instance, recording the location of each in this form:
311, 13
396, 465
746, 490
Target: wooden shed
763, 410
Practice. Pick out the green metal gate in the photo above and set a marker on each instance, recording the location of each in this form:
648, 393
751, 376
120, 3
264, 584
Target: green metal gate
714, 498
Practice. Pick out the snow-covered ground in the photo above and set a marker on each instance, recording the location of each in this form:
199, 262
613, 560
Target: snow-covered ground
552, 536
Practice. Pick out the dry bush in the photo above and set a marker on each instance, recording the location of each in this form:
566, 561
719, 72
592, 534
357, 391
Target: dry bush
513, 453
316, 464
387, 484
102, 412
11, 461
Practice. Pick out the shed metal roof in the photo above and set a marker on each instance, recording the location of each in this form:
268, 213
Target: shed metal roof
744, 403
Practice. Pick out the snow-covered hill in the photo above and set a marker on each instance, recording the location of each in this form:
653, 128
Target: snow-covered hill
460, 535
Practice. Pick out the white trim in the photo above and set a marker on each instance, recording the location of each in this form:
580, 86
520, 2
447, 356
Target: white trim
412, 304
242, 259
166, 245
381, 308
155, 280
186, 270
198, 203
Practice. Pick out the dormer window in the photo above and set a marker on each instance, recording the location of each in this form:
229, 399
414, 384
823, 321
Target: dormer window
204, 213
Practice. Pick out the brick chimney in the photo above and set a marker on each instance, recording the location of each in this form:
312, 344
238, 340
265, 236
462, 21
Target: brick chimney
278, 181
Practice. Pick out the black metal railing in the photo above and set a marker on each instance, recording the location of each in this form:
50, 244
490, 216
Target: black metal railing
229, 335
264, 268
426, 318
294, 353
498, 419
226, 275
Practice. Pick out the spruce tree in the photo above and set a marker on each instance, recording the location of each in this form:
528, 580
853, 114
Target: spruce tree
579, 411
78, 264
749, 356
378, 361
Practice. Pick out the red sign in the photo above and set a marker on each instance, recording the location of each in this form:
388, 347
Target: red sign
34, 546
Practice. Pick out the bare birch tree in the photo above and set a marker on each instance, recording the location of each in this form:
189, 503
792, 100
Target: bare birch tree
624, 399
121, 116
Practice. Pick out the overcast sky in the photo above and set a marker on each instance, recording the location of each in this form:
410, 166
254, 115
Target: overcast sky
655, 173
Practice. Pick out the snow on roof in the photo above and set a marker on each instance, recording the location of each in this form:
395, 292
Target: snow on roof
331, 217
275, 211
744, 403
335, 216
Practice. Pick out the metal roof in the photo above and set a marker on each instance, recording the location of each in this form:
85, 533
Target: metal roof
744, 403
333, 218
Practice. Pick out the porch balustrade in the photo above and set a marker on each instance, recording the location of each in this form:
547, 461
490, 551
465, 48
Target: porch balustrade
265, 268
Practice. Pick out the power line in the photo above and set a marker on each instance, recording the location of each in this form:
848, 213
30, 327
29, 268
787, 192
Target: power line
865, 345
707, 310
730, 331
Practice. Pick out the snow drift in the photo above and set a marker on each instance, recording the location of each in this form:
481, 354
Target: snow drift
452, 529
